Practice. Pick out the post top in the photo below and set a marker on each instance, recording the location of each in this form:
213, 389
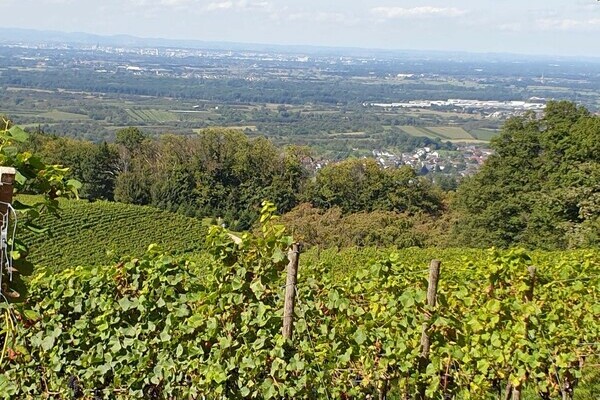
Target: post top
7, 171
7, 175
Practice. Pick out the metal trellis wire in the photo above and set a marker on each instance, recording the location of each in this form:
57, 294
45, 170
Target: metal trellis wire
7, 241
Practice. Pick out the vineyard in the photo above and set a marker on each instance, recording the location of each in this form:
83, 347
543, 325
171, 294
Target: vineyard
140, 115
164, 327
444, 133
93, 234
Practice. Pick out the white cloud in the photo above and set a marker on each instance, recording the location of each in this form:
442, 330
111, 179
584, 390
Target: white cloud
511, 27
423, 11
324, 17
332, 17
237, 5
157, 4
175, 2
221, 5
203, 5
246, 4
587, 6
568, 24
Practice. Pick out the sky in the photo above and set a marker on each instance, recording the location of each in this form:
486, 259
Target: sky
551, 27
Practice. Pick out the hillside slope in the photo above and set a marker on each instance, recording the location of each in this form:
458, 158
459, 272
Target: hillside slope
95, 233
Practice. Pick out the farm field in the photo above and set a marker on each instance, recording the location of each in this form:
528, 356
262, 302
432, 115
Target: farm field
483, 134
250, 128
98, 115
151, 115
415, 130
450, 133
355, 147
63, 116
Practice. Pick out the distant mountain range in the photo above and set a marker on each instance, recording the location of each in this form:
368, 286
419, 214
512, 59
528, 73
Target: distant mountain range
33, 36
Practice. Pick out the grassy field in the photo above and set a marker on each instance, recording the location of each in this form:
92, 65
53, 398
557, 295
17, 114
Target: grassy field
450, 132
445, 133
349, 134
251, 128
483, 134
53, 115
17, 89
63, 116
415, 131
152, 115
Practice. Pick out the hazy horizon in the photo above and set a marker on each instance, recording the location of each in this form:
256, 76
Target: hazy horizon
160, 42
538, 28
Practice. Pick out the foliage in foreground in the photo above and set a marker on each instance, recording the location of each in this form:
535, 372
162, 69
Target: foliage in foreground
34, 176
161, 327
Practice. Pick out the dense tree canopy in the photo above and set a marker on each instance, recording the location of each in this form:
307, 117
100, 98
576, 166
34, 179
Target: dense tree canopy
358, 185
218, 173
94, 165
131, 138
331, 228
541, 188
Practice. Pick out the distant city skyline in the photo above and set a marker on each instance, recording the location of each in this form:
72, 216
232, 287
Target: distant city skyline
550, 27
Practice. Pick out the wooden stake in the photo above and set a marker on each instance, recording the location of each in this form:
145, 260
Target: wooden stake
7, 180
508, 391
290, 291
434, 276
517, 390
516, 393
383, 391
529, 294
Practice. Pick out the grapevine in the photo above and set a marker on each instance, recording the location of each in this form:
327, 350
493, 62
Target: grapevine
164, 326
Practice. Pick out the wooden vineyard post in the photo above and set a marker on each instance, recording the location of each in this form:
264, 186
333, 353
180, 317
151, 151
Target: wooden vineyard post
434, 276
290, 291
7, 180
517, 390
384, 390
508, 391
516, 393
